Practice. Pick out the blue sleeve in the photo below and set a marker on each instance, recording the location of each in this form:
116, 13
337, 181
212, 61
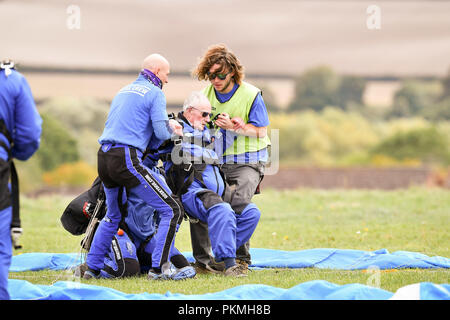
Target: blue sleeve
157, 102
258, 115
158, 114
27, 123
161, 129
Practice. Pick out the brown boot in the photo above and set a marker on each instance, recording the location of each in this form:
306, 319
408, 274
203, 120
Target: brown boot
243, 264
211, 267
237, 271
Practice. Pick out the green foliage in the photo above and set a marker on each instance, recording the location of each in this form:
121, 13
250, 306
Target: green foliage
315, 89
84, 118
445, 86
77, 113
323, 139
57, 144
70, 130
438, 111
428, 144
351, 91
412, 99
335, 137
320, 87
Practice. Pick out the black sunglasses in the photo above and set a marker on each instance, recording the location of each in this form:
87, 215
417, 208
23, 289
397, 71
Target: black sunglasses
221, 76
204, 113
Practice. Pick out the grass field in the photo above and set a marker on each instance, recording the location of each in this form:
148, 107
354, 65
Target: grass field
416, 219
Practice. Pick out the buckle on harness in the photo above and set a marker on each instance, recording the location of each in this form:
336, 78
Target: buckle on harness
189, 167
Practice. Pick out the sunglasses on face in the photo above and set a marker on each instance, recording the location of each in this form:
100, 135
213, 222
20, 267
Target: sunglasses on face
221, 76
204, 113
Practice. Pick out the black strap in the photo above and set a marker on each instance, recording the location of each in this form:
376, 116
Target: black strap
15, 223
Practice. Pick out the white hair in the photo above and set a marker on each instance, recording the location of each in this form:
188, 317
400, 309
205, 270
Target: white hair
195, 98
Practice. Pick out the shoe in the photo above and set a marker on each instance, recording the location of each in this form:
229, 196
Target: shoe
184, 273
153, 275
80, 270
211, 267
244, 265
237, 271
91, 274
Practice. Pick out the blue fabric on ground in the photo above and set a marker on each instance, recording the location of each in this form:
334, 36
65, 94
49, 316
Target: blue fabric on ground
42, 261
430, 291
323, 258
311, 290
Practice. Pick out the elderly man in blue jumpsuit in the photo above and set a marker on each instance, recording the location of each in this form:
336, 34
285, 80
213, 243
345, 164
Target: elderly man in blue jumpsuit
194, 163
20, 132
137, 117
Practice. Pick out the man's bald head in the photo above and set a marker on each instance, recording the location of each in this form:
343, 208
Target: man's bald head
159, 65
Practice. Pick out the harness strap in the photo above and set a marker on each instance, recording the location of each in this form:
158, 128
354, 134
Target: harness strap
15, 223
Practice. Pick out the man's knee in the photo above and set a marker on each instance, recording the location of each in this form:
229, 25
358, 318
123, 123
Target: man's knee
209, 198
176, 210
251, 212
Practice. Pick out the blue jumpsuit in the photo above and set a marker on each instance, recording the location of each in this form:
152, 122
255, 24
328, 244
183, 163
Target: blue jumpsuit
129, 130
142, 224
227, 229
23, 123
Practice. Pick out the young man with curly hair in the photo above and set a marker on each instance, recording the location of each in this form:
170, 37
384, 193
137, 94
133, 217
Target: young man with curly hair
241, 111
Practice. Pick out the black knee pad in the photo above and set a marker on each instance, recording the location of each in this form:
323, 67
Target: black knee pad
209, 198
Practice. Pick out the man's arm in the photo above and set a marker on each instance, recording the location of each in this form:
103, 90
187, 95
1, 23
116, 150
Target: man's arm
256, 125
28, 123
248, 129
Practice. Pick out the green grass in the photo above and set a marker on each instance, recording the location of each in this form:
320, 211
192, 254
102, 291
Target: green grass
416, 219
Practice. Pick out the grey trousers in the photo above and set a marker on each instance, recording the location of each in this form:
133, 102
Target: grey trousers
243, 180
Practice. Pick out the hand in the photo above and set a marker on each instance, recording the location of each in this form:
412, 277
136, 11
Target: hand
176, 127
224, 121
238, 123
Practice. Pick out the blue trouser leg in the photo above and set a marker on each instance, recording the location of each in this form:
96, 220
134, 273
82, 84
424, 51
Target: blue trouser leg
150, 249
152, 244
169, 211
105, 231
221, 221
246, 223
5, 251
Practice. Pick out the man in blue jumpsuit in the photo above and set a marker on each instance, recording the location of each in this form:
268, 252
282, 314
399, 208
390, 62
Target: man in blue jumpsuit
20, 132
130, 253
142, 223
203, 192
131, 250
137, 117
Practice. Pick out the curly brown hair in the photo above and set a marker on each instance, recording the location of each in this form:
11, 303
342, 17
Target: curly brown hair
219, 54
